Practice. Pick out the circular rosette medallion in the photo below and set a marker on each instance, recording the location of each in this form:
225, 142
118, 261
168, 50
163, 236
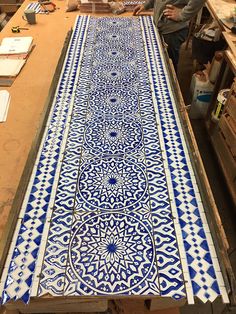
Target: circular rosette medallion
113, 136
115, 53
116, 32
114, 24
113, 101
111, 183
109, 74
121, 37
111, 253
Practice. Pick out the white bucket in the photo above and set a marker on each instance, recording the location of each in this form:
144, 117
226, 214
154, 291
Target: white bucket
201, 89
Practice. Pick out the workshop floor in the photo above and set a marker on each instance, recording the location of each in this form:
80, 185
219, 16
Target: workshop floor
222, 197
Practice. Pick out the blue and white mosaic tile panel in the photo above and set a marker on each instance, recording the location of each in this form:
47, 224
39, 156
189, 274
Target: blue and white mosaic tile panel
36, 7
131, 4
113, 207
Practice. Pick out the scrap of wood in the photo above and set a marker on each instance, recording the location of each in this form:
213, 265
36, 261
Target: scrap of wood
231, 41
57, 305
4, 310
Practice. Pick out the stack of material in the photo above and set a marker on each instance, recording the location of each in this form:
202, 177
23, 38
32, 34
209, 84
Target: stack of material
95, 6
131, 4
13, 54
3, 20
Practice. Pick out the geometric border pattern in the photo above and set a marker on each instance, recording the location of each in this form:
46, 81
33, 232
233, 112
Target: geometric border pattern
113, 207
36, 7
201, 263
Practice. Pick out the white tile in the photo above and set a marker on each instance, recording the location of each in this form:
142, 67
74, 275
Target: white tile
34, 288
16, 232
185, 266
178, 229
216, 264
182, 251
224, 295
220, 279
4, 275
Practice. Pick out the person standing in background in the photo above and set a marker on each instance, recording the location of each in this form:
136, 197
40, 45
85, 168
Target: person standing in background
172, 17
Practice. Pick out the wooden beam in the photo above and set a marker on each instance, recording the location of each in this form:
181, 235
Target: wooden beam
164, 303
57, 305
4, 310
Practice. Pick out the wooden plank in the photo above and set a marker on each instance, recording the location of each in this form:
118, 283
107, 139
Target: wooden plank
141, 307
58, 305
231, 60
228, 133
9, 8
2, 17
164, 303
4, 310
231, 108
232, 123
227, 122
231, 41
226, 160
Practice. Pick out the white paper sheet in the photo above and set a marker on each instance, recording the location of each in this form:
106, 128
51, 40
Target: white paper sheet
4, 104
12, 45
11, 67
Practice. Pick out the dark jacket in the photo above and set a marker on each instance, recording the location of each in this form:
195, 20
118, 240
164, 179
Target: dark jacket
165, 25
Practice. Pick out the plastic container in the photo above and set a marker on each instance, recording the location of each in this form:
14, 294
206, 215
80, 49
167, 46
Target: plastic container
201, 90
221, 100
215, 67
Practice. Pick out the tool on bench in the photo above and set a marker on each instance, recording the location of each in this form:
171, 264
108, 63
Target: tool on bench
47, 6
17, 29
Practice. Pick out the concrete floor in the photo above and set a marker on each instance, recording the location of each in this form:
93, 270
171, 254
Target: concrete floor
222, 197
